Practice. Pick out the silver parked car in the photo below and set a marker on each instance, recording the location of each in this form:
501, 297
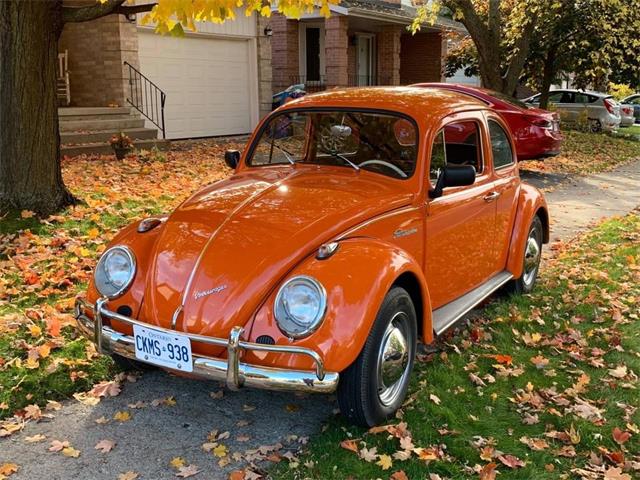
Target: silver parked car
602, 111
633, 101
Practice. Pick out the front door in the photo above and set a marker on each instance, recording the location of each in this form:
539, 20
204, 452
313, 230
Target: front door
460, 252
312, 45
365, 60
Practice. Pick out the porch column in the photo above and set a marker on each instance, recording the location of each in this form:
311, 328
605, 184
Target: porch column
336, 46
284, 51
389, 55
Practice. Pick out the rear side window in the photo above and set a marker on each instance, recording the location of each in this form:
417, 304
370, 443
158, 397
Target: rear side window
582, 98
500, 146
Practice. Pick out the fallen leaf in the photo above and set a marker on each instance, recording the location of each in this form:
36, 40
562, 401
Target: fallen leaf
488, 472
185, 472
349, 445
70, 452
177, 462
122, 416
35, 438
7, 469
615, 473
385, 462
399, 475
434, 399
105, 445
369, 454
511, 461
57, 445
128, 476
620, 437
220, 451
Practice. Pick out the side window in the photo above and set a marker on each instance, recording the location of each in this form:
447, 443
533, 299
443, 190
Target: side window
567, 97
582, 98
456, 144
500, 145
555, 97
438, 157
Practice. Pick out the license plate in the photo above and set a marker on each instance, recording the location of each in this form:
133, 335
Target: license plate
163, 349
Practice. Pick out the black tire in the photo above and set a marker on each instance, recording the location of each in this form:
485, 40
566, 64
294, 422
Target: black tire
527, 280
127, 364
595, 126
362, 399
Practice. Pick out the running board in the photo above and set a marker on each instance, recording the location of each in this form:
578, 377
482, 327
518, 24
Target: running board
445, 316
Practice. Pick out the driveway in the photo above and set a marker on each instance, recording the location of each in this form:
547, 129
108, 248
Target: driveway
158, 431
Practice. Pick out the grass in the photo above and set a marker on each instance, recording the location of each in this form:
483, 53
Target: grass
586, 299
632, 130
584, 153
46, 262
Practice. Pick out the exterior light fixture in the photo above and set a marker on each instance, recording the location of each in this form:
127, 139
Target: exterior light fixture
268, 31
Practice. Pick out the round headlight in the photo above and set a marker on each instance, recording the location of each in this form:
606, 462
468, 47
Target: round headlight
115, 271
300, 306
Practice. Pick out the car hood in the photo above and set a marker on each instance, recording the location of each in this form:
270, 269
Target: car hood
223, 250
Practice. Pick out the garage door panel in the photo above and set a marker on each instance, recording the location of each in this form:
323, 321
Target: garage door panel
206, 80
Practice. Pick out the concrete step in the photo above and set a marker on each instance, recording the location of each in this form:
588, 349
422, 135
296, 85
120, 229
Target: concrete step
102, 125
103, 148
88, 118
105, 135
75, 111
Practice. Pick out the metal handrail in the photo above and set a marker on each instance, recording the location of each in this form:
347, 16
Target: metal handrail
146, 97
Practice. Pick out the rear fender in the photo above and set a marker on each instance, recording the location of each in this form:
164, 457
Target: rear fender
530, 203
356, 278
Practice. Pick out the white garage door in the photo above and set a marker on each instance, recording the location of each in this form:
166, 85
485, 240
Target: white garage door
207, 81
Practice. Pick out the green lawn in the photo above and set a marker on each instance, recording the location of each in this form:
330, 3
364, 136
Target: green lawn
635, 129
544, 378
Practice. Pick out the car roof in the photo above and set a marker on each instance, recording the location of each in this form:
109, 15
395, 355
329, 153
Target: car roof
574, 90
412, 101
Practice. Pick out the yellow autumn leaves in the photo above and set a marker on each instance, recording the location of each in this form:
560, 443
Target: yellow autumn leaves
174, 16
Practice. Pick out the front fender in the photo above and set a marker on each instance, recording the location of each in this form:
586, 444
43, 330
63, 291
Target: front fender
141, 245
530, 203
357, 278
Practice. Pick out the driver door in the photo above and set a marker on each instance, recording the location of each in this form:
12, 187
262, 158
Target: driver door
460, 225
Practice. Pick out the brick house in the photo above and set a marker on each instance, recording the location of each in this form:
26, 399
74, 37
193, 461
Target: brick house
364, 42
220, 79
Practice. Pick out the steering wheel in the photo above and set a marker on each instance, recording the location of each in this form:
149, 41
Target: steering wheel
384, 164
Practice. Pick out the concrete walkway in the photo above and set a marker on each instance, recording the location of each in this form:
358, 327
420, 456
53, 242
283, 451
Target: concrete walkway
156, 434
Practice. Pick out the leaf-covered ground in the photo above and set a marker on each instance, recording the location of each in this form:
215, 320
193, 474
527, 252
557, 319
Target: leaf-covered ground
584, 153
45, 263
543, 386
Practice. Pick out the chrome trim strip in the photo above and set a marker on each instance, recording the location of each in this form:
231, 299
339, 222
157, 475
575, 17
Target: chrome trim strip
231, 370
382, 216
214, 234
445, 316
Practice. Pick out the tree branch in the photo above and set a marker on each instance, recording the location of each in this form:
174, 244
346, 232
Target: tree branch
126, 9
97, 10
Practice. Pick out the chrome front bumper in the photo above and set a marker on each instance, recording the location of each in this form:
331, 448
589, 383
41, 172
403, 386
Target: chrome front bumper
235, 373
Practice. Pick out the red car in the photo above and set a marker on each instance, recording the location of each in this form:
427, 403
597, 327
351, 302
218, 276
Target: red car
536, 131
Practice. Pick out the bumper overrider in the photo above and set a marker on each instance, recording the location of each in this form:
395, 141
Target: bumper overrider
235, 373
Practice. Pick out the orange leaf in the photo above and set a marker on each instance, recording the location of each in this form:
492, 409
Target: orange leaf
349, 445
619, 436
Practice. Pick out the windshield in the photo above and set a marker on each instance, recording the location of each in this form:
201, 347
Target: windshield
383, 143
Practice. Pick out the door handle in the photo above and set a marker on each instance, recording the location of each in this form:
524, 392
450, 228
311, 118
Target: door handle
490, 197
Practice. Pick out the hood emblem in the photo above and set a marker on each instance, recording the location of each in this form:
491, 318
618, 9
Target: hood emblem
205, 293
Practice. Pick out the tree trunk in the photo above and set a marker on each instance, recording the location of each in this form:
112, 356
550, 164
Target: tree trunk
30, 174
548, 73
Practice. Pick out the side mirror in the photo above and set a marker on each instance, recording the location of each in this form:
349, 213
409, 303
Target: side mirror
454, 176
232, 158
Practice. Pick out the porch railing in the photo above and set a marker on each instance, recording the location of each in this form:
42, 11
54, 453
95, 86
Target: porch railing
319, 83
146, 97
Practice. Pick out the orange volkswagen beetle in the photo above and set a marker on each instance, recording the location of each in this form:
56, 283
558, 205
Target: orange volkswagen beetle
357, 222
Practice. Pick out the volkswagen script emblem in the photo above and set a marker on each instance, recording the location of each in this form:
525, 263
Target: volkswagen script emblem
205, 293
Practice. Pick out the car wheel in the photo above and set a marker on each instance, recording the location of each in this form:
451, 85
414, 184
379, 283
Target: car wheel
595, 126
127, 364
530, 260
374, 386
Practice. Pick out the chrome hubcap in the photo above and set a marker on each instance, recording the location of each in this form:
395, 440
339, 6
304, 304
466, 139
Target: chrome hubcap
531, 258
393, 359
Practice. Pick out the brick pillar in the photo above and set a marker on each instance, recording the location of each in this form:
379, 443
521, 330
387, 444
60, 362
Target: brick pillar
336, 45
97, 50
284, 51
265, 71
389, 55
422, 57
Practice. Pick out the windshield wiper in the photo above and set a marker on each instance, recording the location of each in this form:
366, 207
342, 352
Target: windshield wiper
344, 159
287, 154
